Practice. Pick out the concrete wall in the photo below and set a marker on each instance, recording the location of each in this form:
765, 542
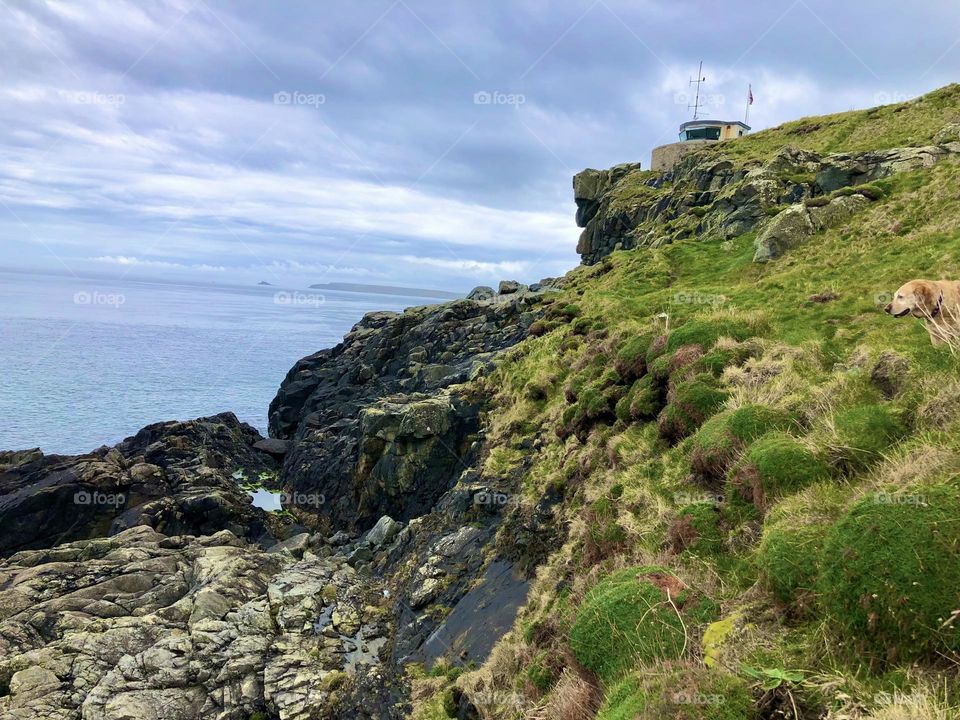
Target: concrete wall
663, 158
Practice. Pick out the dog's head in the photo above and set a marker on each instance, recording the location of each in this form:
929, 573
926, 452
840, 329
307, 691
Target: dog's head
917, 298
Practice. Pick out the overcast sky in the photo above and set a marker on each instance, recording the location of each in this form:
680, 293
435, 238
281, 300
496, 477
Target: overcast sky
417, 142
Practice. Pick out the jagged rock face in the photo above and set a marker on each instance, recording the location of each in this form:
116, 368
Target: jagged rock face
711, 197
374, 424
843, 170
142, 625
172, 476
591, 185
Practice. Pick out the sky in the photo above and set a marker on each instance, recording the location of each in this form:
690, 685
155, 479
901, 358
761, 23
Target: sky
424, 143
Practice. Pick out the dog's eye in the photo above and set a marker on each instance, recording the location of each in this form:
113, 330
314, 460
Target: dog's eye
899, 297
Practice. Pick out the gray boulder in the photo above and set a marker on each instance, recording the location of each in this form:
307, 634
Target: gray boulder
383, 532
481, 292
797, 223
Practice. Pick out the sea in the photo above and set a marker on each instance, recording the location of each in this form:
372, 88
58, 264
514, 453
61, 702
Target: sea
86, 362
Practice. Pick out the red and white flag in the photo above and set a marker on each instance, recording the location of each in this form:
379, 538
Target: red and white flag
749, 94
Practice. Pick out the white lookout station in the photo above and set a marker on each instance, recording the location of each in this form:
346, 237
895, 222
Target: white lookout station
699, 132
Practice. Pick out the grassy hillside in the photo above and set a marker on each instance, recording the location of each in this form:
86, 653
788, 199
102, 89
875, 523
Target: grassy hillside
757, 471
907, 124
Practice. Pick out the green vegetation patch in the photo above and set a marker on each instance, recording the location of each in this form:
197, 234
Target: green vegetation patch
774, 466
642, 402
634, 616
717, 444
793, 536
692, 402
631, 360
863, 434
705, 332
891, 571
686, 693
697, 530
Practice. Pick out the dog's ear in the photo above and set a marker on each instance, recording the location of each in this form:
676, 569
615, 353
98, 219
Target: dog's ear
926, 295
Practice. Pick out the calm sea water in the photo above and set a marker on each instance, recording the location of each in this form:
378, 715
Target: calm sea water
87, 362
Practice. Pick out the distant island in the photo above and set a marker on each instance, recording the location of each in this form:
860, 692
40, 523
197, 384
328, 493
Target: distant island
386, 290
264, 282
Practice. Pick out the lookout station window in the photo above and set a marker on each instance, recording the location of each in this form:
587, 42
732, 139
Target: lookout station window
709, 133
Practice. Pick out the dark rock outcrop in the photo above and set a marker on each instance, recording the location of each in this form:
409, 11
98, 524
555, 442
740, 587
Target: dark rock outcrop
175, 477
376, 424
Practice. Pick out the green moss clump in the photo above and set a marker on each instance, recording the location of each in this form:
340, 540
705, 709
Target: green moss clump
697, 530
540, 674
592, 402
686, 693
605, 535
721, 439
793, 536
706, 332
692, 402
774, 466
631, 360
863, 434
642, 401
660, 368
630, 618
889, 574
720, 358
564, 313
582, 326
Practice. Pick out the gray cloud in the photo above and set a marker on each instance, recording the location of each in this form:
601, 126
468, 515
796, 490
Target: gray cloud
155, 136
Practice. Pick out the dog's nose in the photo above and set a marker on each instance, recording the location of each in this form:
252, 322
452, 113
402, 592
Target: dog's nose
889, 309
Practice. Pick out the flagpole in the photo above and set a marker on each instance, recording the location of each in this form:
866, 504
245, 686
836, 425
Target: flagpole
746, 112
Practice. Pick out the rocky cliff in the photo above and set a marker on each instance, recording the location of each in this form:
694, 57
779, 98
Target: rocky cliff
378, 424
711, 196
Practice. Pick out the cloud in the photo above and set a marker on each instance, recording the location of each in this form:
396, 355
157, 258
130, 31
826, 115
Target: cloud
124, 261
505, 269
150, 131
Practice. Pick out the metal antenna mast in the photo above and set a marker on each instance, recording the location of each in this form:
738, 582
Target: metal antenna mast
696, 102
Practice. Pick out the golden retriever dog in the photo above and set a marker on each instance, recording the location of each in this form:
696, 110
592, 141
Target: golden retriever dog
937, 302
